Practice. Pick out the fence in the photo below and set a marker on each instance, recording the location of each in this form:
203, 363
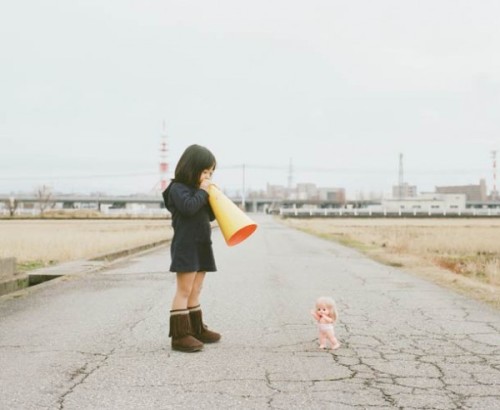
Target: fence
121, 212
367, 213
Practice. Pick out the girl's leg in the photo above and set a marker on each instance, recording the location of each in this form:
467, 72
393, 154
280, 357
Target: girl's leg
184, 283
200, 330
194, 296
180, 324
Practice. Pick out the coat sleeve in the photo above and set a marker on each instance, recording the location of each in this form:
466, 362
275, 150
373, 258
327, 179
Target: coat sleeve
211, 215
187, 201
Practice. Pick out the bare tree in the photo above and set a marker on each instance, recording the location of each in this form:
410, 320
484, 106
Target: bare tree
12, 205
44, 196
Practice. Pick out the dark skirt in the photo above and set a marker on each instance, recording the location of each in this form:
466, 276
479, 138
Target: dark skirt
197, 257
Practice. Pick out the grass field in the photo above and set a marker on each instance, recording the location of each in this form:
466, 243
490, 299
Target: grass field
36, 243
461, 253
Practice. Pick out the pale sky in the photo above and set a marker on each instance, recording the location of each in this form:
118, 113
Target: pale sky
339, 88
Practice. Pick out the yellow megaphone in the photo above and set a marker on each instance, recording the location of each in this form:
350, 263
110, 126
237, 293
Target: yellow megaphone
235, 225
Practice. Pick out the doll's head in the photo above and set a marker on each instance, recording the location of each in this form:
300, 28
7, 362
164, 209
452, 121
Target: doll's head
326, 306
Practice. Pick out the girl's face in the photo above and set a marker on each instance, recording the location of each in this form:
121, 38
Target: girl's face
322, 309
206, 174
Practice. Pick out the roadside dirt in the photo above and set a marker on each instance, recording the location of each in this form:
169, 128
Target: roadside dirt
469, 287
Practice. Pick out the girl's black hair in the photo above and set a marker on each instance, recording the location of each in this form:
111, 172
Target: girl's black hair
192, 163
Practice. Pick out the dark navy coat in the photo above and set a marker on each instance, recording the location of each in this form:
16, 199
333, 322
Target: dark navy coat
191, 247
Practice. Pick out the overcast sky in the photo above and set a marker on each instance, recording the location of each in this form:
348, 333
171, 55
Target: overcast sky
337, 89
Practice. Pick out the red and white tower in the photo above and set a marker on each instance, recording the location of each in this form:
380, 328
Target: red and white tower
163, 160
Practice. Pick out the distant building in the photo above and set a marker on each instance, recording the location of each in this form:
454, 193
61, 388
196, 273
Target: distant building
426, 202
275, 191
404, 191
472, 192
306, 191
332, 195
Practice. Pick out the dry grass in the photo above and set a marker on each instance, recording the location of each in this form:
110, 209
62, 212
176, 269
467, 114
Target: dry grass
463, 253
41, 242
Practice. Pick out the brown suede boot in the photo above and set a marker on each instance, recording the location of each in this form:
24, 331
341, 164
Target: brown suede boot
181, 334
200, 330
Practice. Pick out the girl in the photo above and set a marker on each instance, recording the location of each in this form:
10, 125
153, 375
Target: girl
191, 249
326, 315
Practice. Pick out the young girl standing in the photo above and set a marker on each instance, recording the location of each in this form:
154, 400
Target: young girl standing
191, 249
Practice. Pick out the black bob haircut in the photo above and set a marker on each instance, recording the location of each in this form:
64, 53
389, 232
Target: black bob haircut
194, 160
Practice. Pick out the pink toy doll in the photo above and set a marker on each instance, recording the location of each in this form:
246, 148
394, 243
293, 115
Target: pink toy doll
326, 315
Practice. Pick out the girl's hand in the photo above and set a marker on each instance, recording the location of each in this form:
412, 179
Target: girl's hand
205, 178
205, 184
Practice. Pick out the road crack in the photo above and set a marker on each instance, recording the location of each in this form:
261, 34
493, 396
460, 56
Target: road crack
81, 374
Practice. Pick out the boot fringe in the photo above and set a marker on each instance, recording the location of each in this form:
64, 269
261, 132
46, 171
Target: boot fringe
196, 321
179, 325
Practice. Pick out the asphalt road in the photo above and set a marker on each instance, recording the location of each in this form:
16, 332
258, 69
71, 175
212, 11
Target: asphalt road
99, 341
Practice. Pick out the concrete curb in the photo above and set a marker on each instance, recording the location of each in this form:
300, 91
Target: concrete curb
72, 268
108, 257
12, 285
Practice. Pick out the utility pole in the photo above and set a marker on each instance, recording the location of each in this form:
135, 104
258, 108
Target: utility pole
494, 194
243, 205
401, 177
290, 177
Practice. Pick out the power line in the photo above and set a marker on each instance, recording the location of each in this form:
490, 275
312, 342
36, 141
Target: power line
354, 171
42, 177
357, 170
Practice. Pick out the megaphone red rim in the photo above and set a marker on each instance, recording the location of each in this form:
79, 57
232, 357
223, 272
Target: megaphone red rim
241, 234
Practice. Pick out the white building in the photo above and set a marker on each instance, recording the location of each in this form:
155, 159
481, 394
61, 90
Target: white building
427, 202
